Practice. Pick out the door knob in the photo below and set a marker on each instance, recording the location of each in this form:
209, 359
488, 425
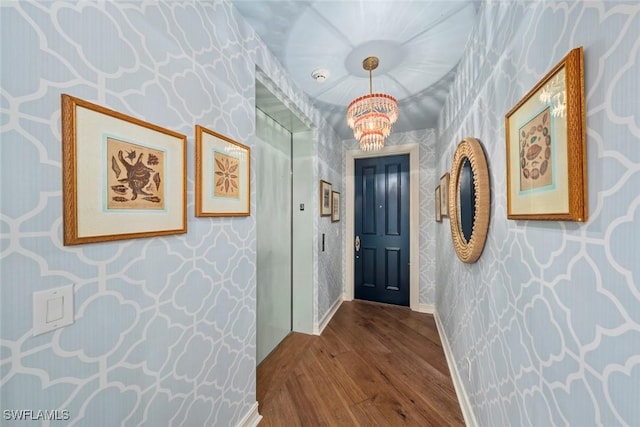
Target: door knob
357, 244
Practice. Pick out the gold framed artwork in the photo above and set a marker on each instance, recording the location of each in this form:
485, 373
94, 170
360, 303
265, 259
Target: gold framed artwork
123, 177
546, 147
325, 198
335, 206
223, 175
438, 203
444, 193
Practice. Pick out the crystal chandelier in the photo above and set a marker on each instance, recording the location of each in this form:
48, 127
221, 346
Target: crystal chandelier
371, 116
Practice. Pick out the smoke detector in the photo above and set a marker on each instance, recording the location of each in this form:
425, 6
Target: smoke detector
320, 75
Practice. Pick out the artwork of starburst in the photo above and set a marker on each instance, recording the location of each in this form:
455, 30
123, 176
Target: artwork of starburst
225, 175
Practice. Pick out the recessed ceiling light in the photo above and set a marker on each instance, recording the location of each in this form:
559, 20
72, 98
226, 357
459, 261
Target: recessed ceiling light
320, 75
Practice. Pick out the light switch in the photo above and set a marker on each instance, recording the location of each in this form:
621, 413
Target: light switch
52, 309
55, 309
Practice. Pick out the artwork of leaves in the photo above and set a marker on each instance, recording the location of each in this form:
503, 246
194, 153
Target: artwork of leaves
535, 152
135, 176
226, 176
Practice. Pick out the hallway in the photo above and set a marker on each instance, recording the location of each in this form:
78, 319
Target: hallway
374, 364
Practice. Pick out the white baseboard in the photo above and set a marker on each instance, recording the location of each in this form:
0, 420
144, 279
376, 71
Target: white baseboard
461, 393
426, 308
319, 327
251, 418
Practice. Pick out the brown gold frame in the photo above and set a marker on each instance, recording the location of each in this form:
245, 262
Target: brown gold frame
471, 149
444, 194
548, 181
88, 132
335, 200
233, 196
438, 203
325, 198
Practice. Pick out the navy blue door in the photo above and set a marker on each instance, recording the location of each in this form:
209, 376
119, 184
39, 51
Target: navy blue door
382, 229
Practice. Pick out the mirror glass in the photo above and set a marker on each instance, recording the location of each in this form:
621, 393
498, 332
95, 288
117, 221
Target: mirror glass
466, 199
469, 200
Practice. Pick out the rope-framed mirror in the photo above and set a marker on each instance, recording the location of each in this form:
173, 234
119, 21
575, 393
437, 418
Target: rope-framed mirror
469, 200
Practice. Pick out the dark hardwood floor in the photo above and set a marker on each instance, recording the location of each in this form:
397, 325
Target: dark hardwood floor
373, 365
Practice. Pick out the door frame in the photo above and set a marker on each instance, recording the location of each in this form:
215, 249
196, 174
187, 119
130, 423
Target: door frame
414, 217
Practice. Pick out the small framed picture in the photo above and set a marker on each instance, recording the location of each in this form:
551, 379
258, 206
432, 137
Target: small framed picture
325, 198
123, 178
223, 171
335, 206
438, 204
444, 194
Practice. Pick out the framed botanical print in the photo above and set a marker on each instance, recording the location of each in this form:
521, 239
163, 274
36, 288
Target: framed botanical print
325, 198
444, 194
438, 203
335, 206
223, 174
123, 177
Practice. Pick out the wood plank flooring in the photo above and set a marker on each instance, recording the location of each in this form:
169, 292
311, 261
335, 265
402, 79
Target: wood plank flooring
373, 365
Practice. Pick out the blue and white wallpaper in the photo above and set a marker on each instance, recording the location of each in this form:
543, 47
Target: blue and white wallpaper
549, 317
330, 266
164, 330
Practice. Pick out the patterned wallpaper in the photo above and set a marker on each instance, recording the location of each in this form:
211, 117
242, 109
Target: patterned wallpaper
165, 327
428, 181
330, 276
549, 317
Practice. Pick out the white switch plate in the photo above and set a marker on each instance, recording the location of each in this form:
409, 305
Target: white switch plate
52, 309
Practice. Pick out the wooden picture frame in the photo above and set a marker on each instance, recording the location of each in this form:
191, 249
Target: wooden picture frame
325, 198
546, 147
223, 175
335, 206
122, 177
438, 203
444, 194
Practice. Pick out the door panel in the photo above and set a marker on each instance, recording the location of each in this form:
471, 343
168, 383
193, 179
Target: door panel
369, 275
393, 200
368, 221
394, 278
273, 232
382, 224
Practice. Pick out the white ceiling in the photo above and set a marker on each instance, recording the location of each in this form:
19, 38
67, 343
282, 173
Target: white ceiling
419, 44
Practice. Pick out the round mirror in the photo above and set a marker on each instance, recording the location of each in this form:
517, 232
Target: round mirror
469, 200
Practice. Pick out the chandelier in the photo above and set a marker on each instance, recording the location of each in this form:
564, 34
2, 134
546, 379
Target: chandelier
371, 116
